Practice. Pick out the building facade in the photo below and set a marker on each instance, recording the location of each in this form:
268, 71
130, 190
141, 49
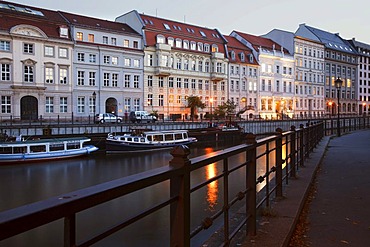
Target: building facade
181, 60
276, 76
363, 75
107, 67
35, 62
340, 62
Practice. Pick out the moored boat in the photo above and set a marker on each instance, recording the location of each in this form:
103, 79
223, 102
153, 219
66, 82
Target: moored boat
43, 149
143, 141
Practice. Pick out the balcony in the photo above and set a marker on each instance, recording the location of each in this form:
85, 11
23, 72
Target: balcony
163, 47
218, 76
162, 71
217, 55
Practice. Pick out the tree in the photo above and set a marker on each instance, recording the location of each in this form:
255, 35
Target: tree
225, 109
194, 102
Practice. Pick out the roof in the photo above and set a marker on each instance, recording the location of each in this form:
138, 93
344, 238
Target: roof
154, 26
237, 47
13, 14
332, 40
95, 23
261, 42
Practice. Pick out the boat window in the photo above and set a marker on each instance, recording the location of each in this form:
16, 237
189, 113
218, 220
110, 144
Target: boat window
19, 150
136, 139
158, 138
73, 145
38, 149
178, 136
185, 135
6, 150
142, 139
150, 138
129, 139
168, 137
57, 147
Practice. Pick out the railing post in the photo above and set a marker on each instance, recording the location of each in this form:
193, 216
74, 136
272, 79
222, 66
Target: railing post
307, 140
251, 185
70, 231
301, 145
293, 151
279, 163
180, 187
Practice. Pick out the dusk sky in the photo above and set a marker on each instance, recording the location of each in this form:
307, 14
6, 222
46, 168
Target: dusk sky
348, 18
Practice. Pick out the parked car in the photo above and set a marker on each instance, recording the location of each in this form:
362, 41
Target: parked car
107, 117
141, 116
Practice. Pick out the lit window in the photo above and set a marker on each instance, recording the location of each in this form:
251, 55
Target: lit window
114, 60
49, 75
49, 51
63, 76
63, 52
79, 36
127, 62
91, 38
126, 43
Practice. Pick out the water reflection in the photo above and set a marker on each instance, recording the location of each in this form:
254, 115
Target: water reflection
212, 188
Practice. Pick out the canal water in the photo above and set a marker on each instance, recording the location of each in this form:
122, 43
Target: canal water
28, 183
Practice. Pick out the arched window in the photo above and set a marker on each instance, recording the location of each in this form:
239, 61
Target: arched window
170, 41
186, 44
214, 48
160, 39
200, 46
206, 47
178, 43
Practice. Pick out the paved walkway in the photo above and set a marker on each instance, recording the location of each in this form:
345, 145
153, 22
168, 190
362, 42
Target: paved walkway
339, 214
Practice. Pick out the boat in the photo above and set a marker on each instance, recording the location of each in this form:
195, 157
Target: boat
143, 141
21, 150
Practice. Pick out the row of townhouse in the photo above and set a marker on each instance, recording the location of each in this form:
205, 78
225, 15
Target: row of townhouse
55, 63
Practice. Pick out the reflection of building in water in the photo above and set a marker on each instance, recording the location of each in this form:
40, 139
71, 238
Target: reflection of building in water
212, 188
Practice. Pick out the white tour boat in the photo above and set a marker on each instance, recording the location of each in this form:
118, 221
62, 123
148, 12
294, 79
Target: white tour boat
140, 141
43, 149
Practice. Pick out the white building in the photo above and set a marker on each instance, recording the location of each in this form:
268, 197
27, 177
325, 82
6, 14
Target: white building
35, 63
276, 76
181, 60
107, 67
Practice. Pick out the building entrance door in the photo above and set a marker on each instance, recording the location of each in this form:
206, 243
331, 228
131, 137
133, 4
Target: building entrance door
29, 108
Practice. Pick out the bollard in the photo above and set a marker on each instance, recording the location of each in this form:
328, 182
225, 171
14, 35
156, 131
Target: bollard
180, 187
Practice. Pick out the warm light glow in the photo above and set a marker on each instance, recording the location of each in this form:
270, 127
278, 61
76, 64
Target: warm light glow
330, 103
211, 100
212, 188
364, 103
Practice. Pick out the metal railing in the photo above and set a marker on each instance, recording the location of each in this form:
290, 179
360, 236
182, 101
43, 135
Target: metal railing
281, 154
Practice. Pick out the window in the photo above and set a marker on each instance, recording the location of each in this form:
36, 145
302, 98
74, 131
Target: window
150, 99
178, 82
114, 60
160, 81
171, 41
92, 78
80, 78
136, 104
28, 73
106, 59
206, 47
127, 81
92, 58
170, 82
5, 104
206, 67
186, 44
106, 79
186, 83
150, 81
91, 38
5, 72
80, 36
136, 44
150, 60
49, 51
28, 48
127, 62
49, 105
81, 104
161, 100
4, 45
81, 57
193, 45
166, 26
178, 43
200, 66
105, 40
214, 48
63, 76
114, 80
113, 41
136, 63
136, 81
63, 52
178, 64
49, 75
126, 43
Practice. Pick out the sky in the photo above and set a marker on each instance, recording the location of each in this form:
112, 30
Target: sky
348, 18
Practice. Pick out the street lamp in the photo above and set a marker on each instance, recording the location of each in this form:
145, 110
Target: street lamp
363, 108
338, 84
94, 101
330, 104
211, 102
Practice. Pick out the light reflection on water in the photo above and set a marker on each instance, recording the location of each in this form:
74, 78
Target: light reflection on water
23, 184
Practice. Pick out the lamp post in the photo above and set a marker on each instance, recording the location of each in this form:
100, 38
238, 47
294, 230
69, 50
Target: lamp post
94, 102
364, 108
330, 104
338, 84
211, 102
282, 109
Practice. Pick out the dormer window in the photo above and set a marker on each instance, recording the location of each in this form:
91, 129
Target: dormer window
186, 44
178, 43
242, 57
166, 26
214, 48
160, 39
232, 55
63, 32
170, 41
193, 45
203, 34
250, 58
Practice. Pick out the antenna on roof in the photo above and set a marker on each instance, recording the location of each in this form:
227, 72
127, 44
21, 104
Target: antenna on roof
184, 18
156, 13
